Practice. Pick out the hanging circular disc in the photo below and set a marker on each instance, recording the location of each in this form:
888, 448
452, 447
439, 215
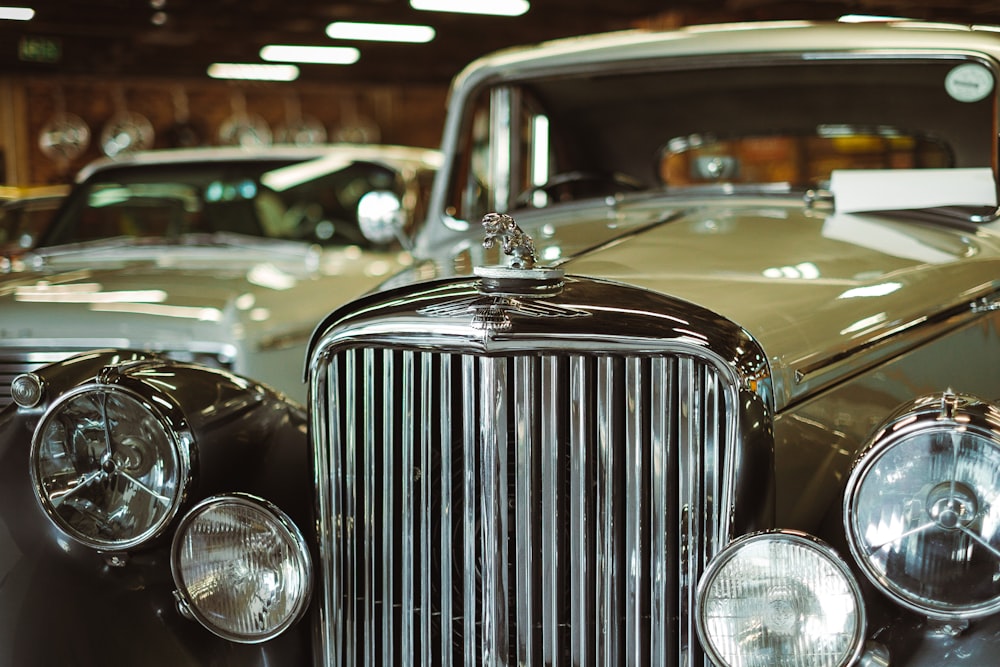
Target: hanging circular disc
247, 130
126, 133
64, 137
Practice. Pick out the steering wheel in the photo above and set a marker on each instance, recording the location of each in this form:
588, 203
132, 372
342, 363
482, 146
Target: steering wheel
579, 184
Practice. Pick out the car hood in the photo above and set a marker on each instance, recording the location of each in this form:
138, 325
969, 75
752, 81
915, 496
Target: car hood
161, 296
811, 286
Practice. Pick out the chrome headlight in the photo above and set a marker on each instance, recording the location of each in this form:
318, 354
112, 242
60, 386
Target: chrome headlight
780, 598
922, 507
241, 567
107, 467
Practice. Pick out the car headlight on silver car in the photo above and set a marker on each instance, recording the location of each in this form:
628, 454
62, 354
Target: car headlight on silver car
108, 468
780, 598
241, 567
922, 507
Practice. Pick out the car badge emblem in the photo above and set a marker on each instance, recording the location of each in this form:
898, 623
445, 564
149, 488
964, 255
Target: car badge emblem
519, 289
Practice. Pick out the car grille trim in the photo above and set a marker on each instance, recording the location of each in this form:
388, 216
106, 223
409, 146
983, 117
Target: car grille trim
392, 599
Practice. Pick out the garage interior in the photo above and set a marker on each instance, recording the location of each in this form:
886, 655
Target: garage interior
80, 73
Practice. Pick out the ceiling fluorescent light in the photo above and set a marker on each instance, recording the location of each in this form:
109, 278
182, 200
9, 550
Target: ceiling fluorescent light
380, 32
249, 71
487, 7
17, 13
324, 55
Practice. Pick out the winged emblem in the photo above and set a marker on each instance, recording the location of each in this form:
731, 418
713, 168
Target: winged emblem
494, 312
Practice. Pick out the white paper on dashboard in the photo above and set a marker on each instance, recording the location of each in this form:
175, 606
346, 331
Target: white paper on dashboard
894, 189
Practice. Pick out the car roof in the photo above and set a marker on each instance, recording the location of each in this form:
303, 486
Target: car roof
733, 39
370, 152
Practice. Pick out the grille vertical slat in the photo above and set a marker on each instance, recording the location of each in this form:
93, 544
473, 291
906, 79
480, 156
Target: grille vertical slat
551, 516
662, 590
447, 516
469, 410
408, 510
532, 510
579, 444
524, 521
634, 500
606, 566
493, 494
384, 556
426, 421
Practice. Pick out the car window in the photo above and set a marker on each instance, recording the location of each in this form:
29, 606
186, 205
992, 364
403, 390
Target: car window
564, 138
276, 199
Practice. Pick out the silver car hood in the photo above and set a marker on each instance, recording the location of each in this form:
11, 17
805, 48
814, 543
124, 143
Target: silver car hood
155, 296
812, 287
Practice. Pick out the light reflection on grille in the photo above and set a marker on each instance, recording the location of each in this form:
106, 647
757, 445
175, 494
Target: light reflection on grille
532, 510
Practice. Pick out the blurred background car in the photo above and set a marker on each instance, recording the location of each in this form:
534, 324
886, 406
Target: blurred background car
225, 256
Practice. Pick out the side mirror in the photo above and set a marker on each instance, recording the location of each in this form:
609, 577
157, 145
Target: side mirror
381, 217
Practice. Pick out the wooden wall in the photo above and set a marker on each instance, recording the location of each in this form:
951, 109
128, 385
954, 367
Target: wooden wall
29, 107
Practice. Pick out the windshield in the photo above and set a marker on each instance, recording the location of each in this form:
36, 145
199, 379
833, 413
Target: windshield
781, 126
314, 201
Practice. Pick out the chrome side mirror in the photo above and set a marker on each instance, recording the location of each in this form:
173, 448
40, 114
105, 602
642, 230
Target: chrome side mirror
381, 217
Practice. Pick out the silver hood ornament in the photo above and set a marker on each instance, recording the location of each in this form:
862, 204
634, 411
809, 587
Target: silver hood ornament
519, 290
513, 241
521, 273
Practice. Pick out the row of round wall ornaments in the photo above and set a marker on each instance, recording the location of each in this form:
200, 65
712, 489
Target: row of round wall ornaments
66, 136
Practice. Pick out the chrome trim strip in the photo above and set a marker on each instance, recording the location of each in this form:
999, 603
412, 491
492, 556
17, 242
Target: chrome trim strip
493, 499
663, 457
634, 587
407, 546
469, 504
388, 505
355, 571
550, 511
525, 381
579, 570
368, 370
605, 567
447, 585
426, 421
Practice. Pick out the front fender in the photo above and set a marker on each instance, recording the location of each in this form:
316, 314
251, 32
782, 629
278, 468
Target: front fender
65, 603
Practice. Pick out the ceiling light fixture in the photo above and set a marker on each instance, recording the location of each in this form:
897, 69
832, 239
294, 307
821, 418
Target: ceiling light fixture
250, 71
17, 13
380, 32
323, 55
487, 7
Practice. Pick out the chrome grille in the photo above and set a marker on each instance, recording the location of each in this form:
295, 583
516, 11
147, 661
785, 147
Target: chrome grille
550, 509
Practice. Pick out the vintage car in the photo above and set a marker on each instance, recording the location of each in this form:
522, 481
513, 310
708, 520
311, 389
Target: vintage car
227, 256
697, 363
25, 212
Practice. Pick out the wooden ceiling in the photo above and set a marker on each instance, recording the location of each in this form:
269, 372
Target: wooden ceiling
178, 39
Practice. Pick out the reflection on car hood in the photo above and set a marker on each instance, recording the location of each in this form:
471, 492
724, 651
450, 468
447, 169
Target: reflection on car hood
121, 250
153, 298
808, 285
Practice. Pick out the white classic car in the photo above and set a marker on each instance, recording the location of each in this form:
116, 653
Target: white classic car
697, 363
227, 256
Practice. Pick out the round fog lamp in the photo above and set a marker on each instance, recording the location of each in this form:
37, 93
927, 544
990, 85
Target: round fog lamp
107, 468
780, 598
241, 567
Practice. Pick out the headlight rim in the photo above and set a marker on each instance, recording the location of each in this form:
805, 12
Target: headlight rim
170, 418
796, 536
305, 564
925, 416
